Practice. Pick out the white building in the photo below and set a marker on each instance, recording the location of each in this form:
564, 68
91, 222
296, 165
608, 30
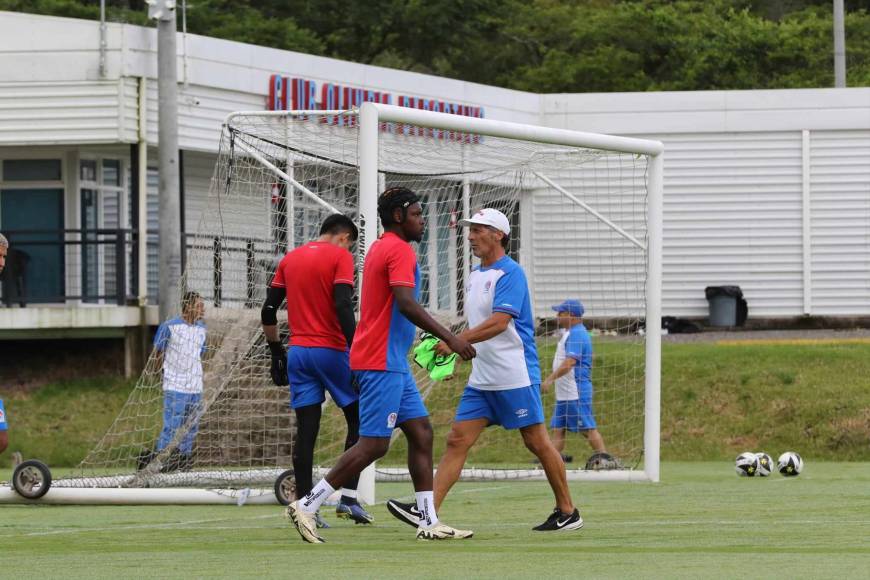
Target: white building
769, 190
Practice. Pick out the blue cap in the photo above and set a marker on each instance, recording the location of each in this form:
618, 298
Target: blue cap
571, 306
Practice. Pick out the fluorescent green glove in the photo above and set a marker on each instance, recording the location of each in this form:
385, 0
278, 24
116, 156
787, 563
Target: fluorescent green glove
443, 367
424, 353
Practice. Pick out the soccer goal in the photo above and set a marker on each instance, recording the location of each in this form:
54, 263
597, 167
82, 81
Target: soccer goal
586, 219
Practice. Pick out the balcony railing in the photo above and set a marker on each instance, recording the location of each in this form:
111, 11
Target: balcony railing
100, 266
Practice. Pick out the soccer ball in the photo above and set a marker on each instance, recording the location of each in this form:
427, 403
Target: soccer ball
765, 464
746, 464
790, 464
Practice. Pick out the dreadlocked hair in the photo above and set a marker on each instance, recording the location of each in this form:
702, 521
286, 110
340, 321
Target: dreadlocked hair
392, 198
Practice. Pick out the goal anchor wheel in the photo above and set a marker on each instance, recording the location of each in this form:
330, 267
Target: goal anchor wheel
285, 487
31, 479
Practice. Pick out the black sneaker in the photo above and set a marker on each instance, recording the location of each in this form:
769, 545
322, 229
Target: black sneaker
561, 522
405, 512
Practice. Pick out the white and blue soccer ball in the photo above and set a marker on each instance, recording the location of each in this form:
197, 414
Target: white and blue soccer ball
746, 464
790, 464
765, 464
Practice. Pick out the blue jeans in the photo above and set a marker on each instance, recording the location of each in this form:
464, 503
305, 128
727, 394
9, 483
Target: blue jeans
179, 410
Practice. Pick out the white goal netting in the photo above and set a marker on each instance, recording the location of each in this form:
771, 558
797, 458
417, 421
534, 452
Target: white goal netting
579, 228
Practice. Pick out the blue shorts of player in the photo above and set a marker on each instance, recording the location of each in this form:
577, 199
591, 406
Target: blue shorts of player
180, 409
314, 370
3, 424
387, 399
511, 408
573, 415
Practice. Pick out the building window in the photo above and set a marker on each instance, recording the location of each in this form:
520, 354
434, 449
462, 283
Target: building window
104, 226
31, 170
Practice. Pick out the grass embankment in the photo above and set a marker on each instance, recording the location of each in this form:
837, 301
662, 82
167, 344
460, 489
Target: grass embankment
717, 400
60, 422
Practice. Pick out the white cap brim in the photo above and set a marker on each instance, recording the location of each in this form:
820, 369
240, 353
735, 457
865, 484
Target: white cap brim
467, 222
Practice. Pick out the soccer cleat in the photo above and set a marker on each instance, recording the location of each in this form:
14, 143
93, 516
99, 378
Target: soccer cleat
305, 523
405, 512
321, 523
442, 532
353, 511
561, 522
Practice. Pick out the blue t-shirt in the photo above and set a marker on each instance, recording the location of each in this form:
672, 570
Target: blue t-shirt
579, 347
3, 424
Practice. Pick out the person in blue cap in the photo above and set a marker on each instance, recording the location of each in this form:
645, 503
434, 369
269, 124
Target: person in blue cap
572, 376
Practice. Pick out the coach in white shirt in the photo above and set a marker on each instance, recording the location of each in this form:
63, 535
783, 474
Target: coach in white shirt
504, 386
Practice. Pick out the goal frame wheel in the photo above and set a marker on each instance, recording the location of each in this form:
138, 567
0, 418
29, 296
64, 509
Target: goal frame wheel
31, 479
285, 487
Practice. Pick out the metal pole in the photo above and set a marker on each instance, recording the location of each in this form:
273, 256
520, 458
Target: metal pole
103, 42
142, 177
839, 45
170, 214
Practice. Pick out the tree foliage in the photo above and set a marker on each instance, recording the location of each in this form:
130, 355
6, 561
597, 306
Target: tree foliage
542, 45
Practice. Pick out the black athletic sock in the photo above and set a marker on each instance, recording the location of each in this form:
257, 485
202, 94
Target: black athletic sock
307, 427
351, 416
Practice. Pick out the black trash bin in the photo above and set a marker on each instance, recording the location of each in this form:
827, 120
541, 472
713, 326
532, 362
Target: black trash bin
727, 305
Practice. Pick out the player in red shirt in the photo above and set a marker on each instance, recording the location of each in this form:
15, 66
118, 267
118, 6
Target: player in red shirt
317, 280
389, 398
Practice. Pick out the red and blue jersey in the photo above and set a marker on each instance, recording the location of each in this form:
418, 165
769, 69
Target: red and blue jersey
384, 336
309, 274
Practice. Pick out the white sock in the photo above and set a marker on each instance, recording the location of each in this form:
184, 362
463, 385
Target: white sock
349, 492
426, 505
311, 502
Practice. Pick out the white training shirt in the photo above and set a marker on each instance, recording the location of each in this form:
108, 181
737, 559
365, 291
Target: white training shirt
508, 360
566, 385
182, 345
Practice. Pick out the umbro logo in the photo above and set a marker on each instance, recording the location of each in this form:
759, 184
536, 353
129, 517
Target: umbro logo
522, 413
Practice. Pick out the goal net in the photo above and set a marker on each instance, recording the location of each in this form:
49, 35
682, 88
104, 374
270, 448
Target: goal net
579, 207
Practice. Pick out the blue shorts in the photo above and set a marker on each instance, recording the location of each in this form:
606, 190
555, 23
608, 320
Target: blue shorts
3, 425
573, 415
386, 400
314, 370
511, 408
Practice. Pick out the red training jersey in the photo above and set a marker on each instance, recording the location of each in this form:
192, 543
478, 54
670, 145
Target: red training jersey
384, 336
309, 274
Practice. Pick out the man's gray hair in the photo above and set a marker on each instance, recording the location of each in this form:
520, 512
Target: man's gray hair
4, 243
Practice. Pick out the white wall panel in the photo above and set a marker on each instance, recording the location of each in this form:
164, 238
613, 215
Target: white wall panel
47, 113
732, 216
198, 170
840, 230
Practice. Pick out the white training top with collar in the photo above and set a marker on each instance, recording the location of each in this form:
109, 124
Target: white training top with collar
508, 360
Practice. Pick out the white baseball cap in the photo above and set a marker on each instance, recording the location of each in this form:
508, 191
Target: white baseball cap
489, 217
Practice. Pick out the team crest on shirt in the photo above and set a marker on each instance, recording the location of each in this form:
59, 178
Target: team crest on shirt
391, 420
2, 416
487, 286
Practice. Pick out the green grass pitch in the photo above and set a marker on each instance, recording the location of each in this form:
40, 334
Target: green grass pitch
700, 521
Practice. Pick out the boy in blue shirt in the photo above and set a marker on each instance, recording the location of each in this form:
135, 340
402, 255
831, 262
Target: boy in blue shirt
180, 344
572, 375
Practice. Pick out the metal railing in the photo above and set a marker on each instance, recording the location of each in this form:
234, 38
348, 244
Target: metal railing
58, 266
100, 266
